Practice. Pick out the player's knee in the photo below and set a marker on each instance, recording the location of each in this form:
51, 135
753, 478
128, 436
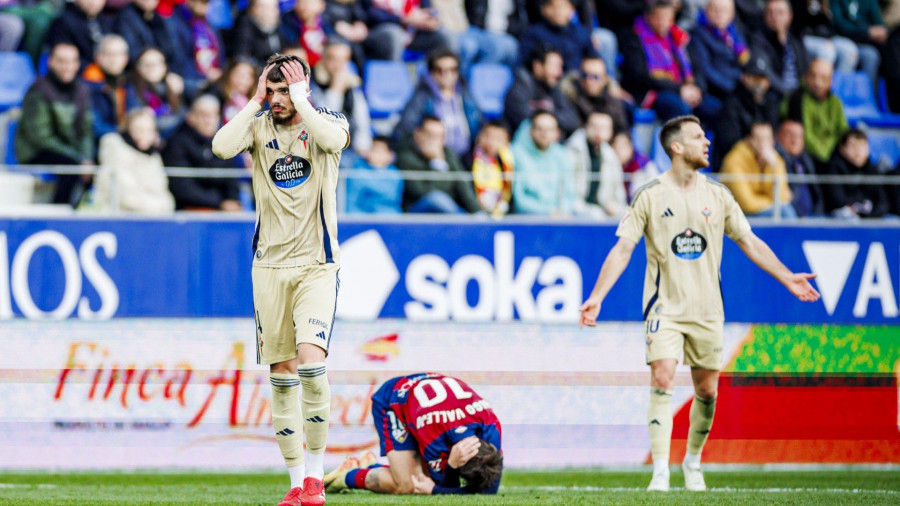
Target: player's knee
663, 379
706, 392
404, 488
309, 354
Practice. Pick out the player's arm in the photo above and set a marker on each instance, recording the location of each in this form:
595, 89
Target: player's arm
616, 261
331, 137
762, 255
235, 137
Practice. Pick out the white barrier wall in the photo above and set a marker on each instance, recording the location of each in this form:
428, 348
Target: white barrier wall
135, 393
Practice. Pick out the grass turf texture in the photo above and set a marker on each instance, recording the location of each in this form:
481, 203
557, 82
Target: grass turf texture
728, 487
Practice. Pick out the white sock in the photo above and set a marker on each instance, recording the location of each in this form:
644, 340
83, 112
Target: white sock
692, 459
661, 467
315, 462
298, 473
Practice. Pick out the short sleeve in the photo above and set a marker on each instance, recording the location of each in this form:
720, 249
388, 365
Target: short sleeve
736, 224
633, 223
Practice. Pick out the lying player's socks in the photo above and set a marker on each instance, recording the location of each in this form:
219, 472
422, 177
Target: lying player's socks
659, 420
316, 412
702, 411
357, 477
288, 422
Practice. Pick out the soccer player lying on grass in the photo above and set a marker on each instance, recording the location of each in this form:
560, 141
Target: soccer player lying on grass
434, 430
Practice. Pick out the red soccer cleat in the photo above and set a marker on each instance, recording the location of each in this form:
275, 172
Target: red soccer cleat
313, 492
292, 498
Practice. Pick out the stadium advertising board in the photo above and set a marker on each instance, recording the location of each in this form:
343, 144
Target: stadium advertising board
152, 363
130, 393
420, 271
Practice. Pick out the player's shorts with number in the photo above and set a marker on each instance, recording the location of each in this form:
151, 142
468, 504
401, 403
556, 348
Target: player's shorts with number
391, 429
701, 342
293, 305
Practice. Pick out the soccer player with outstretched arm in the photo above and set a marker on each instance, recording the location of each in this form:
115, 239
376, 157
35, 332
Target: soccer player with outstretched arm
296, 149
683, 216
439, 435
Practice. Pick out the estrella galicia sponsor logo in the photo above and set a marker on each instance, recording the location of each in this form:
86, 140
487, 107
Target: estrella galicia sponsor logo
290, 171
688, 245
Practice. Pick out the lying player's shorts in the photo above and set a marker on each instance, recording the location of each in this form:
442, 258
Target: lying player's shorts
700, 341
293, 305
391, 431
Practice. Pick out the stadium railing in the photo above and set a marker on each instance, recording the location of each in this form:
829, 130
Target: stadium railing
48, 172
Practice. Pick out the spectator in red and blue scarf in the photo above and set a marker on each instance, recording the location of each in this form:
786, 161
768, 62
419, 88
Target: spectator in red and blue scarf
657, 70
204, 43
718, 47
305, 27
153, 86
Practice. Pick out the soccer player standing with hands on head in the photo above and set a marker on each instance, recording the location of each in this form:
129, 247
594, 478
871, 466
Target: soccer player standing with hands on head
683, 216
296, 150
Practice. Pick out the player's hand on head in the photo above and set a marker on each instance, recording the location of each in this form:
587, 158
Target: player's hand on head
463, 451
296, 80
589, 311
422, 484
261, 84
800, 286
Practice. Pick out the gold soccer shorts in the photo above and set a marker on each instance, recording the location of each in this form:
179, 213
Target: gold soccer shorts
293, 305
701, 342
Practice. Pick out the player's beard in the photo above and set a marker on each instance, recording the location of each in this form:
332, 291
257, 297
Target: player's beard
698, 162
285, 116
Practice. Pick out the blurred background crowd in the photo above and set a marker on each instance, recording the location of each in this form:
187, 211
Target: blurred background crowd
545, 107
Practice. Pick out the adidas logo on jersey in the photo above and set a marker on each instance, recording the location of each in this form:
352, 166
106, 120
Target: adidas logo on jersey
668, 213
273, 144
321, 335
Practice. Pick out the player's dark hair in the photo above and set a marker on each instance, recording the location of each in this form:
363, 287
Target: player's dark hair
672, 129
275, 75
484, 469
853, 133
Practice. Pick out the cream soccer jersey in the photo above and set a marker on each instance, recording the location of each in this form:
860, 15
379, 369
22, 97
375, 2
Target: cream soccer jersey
294, 182
684, 231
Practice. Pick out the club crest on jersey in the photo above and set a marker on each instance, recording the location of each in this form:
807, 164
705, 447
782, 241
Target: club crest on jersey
688, 245
290, 171
304, 136
705, 212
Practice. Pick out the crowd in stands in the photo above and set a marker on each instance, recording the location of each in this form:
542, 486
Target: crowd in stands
135, 86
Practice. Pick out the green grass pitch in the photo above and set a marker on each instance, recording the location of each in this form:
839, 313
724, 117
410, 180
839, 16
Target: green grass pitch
736, 486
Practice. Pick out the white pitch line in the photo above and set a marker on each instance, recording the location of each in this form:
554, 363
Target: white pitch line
718, 489
27, 485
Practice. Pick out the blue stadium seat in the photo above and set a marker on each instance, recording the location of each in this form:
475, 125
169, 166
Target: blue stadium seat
644, 115
9, 136
882, 95
489, 83
219, 14
43, 62
16, 77
388, 87
884, 148
857, 93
